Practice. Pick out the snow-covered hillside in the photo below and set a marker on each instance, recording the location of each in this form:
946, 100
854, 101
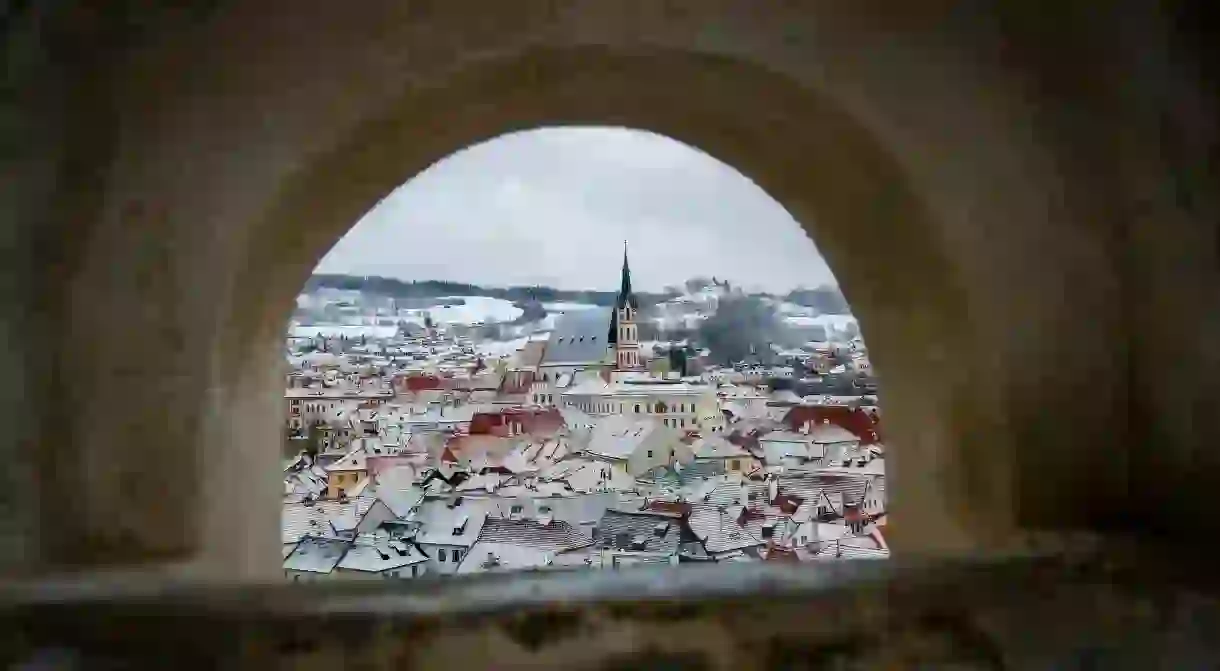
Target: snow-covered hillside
566, 307
477, 309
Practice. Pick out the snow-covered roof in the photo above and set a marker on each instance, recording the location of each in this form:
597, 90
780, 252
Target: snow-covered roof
618, 436
375, 554
580, 336
718, 447
489, 557
356, 460
439, 519
322, 518
316, 555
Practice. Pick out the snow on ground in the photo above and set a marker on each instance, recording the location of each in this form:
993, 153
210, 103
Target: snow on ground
476, 309
835, 322
565, 307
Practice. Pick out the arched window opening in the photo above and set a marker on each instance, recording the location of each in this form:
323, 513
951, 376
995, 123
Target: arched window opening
441, 359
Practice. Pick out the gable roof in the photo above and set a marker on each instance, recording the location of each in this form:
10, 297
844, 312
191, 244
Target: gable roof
723, 527
316, 555
322, 518
438, 521
579, 337
717, 446
639, 531
864, 425
377, 554
485, 557
618, 436
555, 536
356, 460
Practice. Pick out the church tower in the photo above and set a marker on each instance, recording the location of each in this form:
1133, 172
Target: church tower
623, 334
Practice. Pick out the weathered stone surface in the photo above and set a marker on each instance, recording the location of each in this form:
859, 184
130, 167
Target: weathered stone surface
1111, 612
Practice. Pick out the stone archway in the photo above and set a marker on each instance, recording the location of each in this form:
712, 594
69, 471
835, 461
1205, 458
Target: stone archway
851, 197
221, 157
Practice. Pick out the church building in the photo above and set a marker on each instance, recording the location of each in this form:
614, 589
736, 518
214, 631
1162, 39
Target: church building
596, 341
593, 362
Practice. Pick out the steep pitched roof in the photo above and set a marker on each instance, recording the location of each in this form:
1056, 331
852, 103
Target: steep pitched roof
579, 337
625, 298
322, 518
640, 531
316, 555
356, 460
376, 554
717, 446
555, 536
618, 436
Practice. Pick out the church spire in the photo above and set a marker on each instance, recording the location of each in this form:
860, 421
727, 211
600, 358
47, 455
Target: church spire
625, 295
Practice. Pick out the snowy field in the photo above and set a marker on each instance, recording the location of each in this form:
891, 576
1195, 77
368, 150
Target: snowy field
566, 307
832, 322
477, 309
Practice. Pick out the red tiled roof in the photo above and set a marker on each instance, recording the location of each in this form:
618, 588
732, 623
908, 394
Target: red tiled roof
416, 383
672, 507
863, 424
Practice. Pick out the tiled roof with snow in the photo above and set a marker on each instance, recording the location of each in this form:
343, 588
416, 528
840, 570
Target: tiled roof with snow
322, 518
356, 460
316, 555
639, 531
489, 557
580, 336
618, 436
376, 554
439, 519
555, 536
719, 527
718, 447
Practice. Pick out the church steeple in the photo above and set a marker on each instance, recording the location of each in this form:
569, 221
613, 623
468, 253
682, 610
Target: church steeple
623, 333
625, 296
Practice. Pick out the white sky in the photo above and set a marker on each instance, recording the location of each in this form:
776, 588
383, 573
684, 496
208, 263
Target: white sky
553, 206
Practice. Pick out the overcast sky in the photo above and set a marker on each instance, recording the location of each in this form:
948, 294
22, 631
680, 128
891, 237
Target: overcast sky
553, 207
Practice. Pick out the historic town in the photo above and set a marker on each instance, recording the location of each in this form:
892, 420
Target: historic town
457, 435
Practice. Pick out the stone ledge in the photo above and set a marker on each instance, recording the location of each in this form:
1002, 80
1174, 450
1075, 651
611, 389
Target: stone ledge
1003, 613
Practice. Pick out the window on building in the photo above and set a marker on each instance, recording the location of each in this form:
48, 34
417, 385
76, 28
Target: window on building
518, 508
649, 454
457, 556
637, 408
440, 555
733, 466
682, 422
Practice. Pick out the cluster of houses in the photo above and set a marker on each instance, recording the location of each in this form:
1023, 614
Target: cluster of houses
569, 455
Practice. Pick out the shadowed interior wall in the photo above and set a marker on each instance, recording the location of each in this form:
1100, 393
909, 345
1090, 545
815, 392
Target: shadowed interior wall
983, 187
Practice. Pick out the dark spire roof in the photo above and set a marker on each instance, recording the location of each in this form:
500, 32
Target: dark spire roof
625, 297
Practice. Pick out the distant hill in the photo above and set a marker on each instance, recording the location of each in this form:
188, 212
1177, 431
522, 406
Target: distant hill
387, 286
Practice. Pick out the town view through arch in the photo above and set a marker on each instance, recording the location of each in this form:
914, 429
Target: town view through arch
576, 349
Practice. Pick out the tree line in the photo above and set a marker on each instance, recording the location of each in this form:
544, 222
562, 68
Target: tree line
395, 288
